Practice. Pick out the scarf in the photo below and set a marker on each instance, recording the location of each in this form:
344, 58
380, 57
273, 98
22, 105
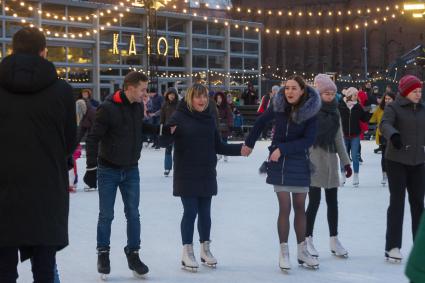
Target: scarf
328, 126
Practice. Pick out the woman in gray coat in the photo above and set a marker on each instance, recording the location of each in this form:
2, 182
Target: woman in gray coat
325, 174
403, 126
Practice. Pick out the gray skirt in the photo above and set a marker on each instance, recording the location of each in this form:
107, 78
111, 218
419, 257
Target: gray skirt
291, 189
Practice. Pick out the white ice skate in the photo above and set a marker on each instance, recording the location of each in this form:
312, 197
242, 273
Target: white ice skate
356, 180
336, 248
394, 255
284, 262
226, 158
188, 259
305, 259
384, 179
206, 256
310, 247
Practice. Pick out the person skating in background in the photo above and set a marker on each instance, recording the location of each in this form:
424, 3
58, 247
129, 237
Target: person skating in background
86, 94
249, 96
328, 146
196, 144
154, 111
403, 126
265, 103
113, 152
86, 113
238, 123
380, 140
225, 119
352, 114
169, 106
288, 170
38, 133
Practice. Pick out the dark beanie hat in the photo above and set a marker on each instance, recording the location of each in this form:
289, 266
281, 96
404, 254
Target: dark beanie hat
407, 84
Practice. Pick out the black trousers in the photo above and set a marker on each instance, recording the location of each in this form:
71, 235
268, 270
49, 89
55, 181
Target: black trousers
314, 196
43, 259
400, 178
383, 162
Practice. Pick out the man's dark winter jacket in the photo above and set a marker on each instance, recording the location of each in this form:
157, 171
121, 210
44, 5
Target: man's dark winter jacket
116, 137
37, 134
294, 133
197, 143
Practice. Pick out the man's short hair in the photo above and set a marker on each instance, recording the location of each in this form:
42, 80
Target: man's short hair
28, 41
133, 79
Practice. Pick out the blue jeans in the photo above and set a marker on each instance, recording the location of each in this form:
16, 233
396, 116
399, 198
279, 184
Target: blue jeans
168, 161
353, 145
128, 181
56, 274
193, 206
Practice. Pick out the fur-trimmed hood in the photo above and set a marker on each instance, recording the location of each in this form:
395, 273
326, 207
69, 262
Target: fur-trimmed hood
308, 110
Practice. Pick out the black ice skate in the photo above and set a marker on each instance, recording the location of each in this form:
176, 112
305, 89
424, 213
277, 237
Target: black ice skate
135, 264
103, 263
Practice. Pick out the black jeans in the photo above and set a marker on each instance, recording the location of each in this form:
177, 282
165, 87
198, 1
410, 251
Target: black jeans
400, 178
314, 196
43, 259
193, 206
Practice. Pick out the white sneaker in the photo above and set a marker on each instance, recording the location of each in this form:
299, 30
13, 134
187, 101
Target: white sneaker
310, 247
336, 247
394, 255
206, 255
284, 262
188, 259
384, 179
356, 180
304, 258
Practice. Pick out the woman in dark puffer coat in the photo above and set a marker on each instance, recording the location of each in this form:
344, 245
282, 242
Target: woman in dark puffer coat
294, 112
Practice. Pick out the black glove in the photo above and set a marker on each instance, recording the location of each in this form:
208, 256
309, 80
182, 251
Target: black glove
396, 141
263, 168
90, 178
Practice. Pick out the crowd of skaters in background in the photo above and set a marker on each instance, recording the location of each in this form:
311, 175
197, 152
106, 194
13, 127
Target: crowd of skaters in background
309, 122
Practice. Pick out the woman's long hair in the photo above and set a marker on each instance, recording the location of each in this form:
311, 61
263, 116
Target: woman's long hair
303, 85
196, 90
383, 104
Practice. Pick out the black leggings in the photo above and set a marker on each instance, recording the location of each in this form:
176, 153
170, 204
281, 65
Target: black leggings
313, 206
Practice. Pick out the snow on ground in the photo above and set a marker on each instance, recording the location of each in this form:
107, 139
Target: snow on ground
244, 232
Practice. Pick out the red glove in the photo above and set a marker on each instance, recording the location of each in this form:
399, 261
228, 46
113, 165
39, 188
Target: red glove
348, 171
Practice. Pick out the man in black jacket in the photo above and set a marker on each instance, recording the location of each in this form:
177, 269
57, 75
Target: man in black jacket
113, 152
38, 132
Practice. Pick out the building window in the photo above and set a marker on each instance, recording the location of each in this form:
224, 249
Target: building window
235, 47
251, 48
79, 75
13, 27
53, 10
251, 63
80, 14
251, 34
176, 62
15, 7
215, 29
199, 61
177, 25
161, 23
235, 32
132, 20
235, 63
80, 55
199, 43
216, 62
56, 53
107, 35
199, 27
215, 44
109, 72
106, 56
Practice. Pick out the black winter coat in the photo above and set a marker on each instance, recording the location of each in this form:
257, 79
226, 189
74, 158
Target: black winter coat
197, 143
351, 119
37, 132
116, 137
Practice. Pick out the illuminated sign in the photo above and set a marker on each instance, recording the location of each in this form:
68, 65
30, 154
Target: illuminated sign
162, 46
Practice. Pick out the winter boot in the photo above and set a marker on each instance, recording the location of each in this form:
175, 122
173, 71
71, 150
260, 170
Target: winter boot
310, 247
188, 258
134, 263
284, 262
305, 259
103, 263
394, 255
384, 179
336, 248
356, 180
206, 255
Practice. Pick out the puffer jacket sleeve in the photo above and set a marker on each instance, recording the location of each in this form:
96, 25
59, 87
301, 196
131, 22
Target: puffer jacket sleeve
387, 123
260, 123
226, 149
304, 142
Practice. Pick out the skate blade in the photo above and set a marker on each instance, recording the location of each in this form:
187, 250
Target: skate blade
104, 277
190, 269
285, 270
339, 255
211, 265
304, 265
393, 259
140, 276
90, 189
